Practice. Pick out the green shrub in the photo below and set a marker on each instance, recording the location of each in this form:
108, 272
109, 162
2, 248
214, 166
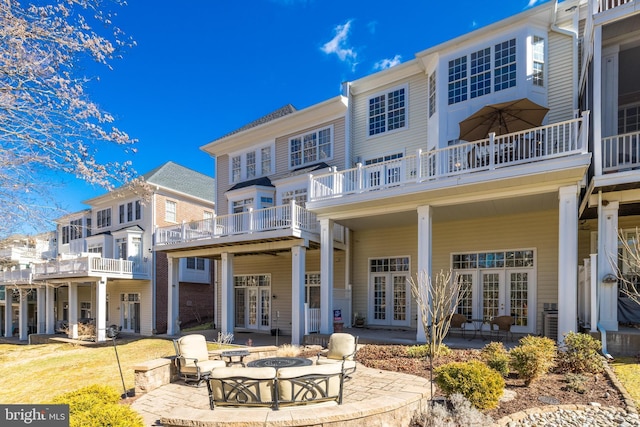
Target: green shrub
576, 382
98, 406
496, 357
533, 358
460, 413
481, 385
580, 353
421, 351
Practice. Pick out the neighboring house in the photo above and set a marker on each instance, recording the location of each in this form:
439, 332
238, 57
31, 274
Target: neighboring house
106, 272
513, 214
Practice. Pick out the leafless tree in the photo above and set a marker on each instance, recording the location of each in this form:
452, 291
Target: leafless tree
436, 299
628, 271
48, 124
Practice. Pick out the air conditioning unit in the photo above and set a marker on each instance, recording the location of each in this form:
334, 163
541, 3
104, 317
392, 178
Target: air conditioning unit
550, 325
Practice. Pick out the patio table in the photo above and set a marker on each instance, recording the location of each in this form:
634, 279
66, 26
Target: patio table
280, 362
228, 355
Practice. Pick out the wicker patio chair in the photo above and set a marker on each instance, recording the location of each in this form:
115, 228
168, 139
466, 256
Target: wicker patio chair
503, 326
458, 323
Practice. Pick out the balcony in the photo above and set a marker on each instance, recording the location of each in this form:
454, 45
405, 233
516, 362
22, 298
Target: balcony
91, 266
283, 220
621, 153
605, 5
16, 276
495, 153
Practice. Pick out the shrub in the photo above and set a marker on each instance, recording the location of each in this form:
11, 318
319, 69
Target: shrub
97, 406
496, 357
288, 350
580, 354
421, 351
474, 380
534, 357
576, 382
461, 413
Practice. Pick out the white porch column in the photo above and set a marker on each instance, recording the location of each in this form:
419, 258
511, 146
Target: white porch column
41, 301
8, 312
23, 316
326, 276
597, 100
425, 214
607, 254
227, 306
593, 288
73, 310
568, 261
173, 294
298, 263
101, 309
50, 309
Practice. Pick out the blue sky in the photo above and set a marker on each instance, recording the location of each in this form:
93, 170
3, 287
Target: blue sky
202, 68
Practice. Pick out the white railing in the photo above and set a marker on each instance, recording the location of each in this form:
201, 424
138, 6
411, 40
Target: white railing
290, 216
537, 144
90, 265
311, 320
13, 276
611, 4
621, 152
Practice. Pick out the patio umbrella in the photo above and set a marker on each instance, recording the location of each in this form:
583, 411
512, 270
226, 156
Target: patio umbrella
502, 118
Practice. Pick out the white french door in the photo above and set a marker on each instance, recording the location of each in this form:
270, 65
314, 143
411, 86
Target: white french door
130, 312
253, 302
390, 297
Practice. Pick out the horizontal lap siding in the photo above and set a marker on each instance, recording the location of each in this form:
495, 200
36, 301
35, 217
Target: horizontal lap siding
408, 140
560, 78
115, 288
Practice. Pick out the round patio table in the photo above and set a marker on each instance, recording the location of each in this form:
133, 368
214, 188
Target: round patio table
280, 362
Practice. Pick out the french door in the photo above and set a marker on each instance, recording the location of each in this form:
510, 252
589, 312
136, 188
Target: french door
390, 297
253, 302
130, 312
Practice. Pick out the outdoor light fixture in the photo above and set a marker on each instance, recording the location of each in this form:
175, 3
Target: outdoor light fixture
609, 279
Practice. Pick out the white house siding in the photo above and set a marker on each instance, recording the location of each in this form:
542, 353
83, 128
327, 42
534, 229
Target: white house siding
222, 184
279, 267
407, 140
537, 230
142, 287
560, 77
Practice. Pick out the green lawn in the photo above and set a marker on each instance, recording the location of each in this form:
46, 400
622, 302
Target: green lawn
627, 369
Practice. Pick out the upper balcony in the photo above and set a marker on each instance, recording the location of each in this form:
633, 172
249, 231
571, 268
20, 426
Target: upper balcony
273, 223
91, 266
16, 277
437, 167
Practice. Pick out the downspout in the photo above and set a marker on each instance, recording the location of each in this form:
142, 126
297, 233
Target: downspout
574, 35
346, 92
601, 329
153, 266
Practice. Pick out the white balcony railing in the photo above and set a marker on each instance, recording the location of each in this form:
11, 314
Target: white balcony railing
621, 152
605, 5
533, 145
290, 216
91, 265
16, 276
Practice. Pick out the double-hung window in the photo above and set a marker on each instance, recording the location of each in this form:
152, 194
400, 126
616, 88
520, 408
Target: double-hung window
170, 211
480, 72
75, 232
129, 212
457, 80
311, 147
195, 263
104, 218
388, 111
538, 61
251, 164
505, 65
432, 94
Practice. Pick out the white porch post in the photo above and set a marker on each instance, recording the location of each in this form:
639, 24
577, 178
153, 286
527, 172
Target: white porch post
227, 306
326, 276
101, 311
593, 288
568, 261
51, 321
298, 262
173, 293
23, 316
597, 100
425, 214
73, 310
8, 312
41, 301
608, 253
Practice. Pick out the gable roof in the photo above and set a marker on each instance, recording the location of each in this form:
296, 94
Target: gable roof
280, 112
179, 178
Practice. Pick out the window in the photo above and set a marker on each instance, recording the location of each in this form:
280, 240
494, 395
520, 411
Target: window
170, 211
195, 263
207, 215
104, 218
85, 310
538, 61
251, 164
387, 111
131, 211
242, 205
75, 231
629, 119
385, 265
458, 80
299, 195
505, 65
432, 94
121, 248
310, 148
95, 249
480, 73
312, 289
252, 280
65, 234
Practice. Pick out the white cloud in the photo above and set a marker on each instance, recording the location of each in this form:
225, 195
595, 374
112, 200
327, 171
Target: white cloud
387, 63
532, 3
338, 44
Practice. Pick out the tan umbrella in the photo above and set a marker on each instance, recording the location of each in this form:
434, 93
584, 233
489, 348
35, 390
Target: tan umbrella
506, 117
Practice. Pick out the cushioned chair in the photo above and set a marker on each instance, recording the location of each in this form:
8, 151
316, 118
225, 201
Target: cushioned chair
193, 358
458, 322
502, 326
341, 349
233, 386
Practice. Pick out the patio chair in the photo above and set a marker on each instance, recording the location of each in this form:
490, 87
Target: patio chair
193, 358
503, 326
341, 349
458, 323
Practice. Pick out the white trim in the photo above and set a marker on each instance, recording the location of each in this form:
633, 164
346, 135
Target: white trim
315, 130
257, 150
386, 92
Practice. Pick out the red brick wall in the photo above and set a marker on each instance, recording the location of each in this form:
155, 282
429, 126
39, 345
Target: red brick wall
195, 299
